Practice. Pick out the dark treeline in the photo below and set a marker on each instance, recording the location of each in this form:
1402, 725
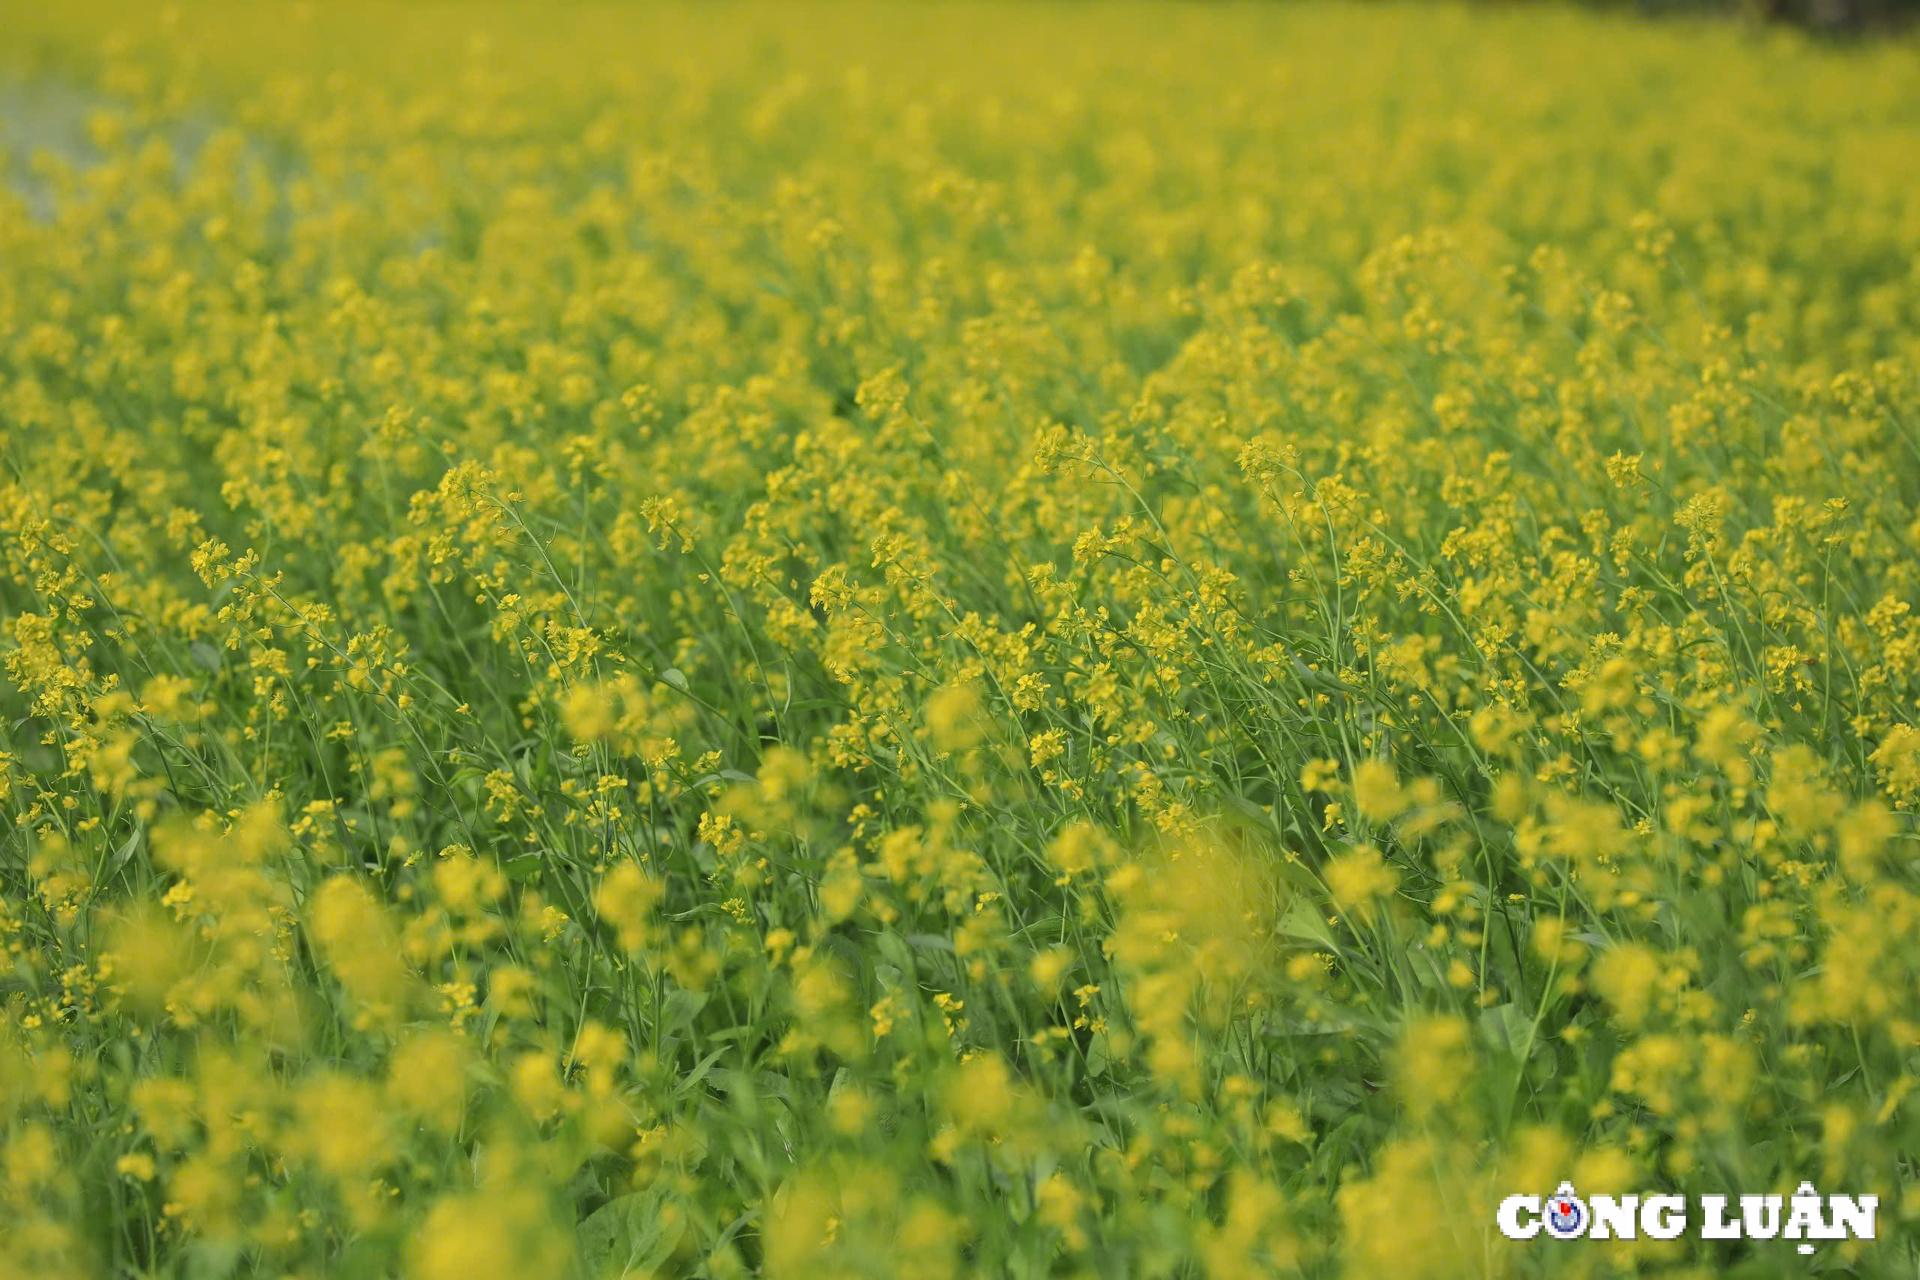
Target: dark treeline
1835, 16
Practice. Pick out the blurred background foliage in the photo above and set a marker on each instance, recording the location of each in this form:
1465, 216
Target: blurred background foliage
1838, 17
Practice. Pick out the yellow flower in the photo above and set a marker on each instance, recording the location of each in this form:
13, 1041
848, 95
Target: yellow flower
1376, 791
625, 899
1432, 1064
1359, 879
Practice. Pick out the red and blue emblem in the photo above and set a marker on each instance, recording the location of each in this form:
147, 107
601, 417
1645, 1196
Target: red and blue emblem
1566, 1214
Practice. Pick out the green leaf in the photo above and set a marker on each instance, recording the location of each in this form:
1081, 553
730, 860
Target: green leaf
524, 868
631, 1235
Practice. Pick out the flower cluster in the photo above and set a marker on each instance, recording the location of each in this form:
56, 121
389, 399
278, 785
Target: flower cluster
938, 642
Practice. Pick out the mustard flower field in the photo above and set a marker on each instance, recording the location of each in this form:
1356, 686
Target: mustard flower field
841, 641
